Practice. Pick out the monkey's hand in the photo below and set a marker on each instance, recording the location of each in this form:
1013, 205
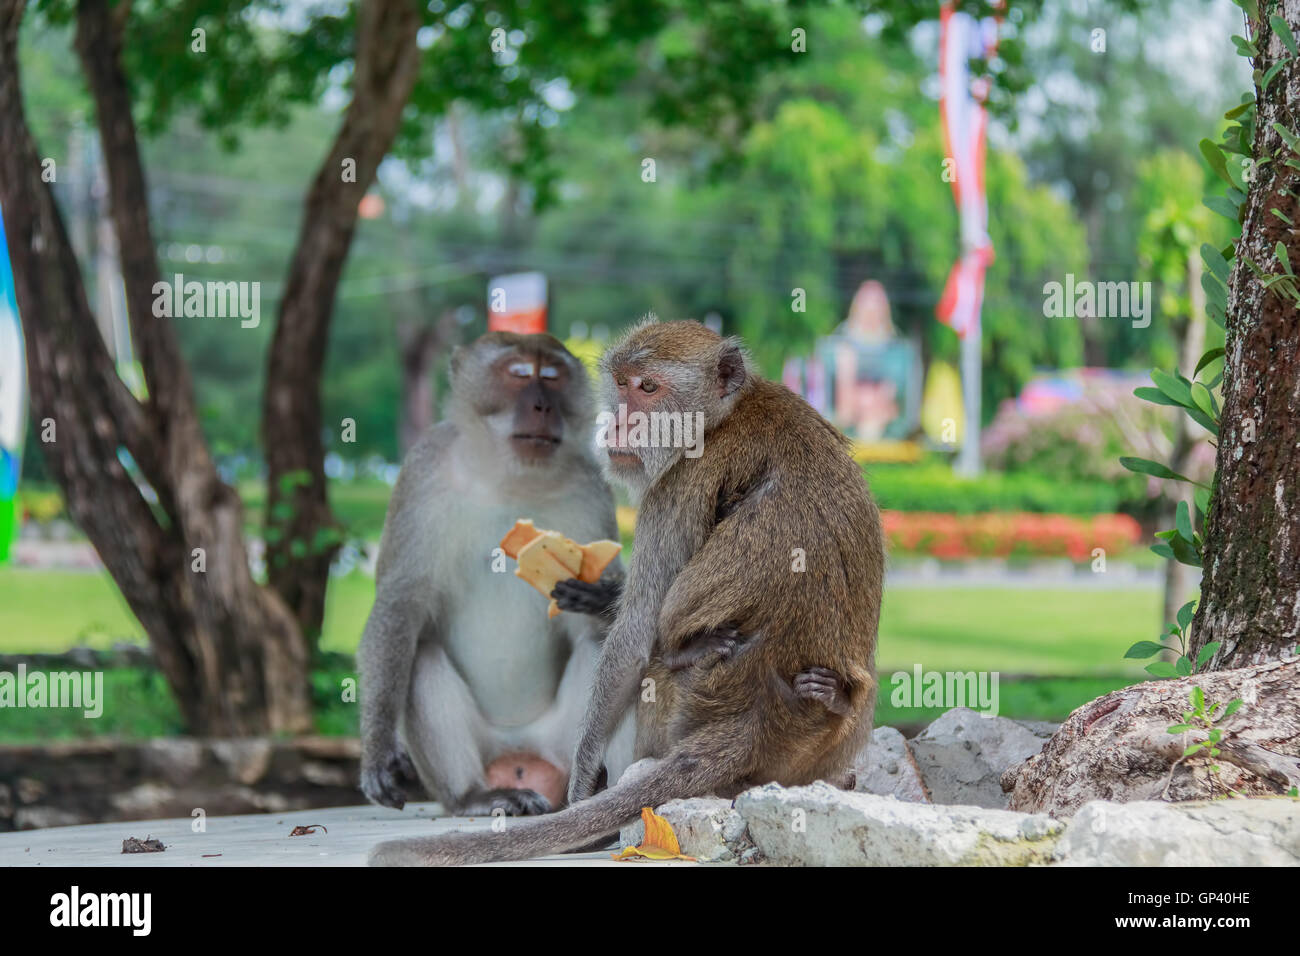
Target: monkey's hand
384, 781
600, 599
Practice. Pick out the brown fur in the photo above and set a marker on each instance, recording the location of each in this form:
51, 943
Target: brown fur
714, 613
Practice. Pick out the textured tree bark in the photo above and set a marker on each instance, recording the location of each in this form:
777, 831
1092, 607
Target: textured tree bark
1118, 747
1178, 576
1250, 593
298, 559
421, 345
231, 652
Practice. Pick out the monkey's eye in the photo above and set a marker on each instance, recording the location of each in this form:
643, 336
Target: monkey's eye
648, 386
521, 369
550, 371
620, 381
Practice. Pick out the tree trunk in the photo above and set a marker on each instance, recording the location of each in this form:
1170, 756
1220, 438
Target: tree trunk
230, 651
421, 345
299, 549
1250, 593
1178, 576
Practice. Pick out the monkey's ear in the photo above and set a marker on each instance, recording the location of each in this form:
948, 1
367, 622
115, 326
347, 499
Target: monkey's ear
731, 368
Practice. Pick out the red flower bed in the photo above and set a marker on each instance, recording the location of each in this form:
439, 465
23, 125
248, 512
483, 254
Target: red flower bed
952, 537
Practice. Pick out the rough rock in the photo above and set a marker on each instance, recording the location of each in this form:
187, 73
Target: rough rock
963, 754
819, 825
176, 760
1218, 833
886, 768
1118, 747
246, 760
707, 828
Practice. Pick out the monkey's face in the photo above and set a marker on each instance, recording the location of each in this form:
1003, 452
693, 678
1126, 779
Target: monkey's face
524, 389
532, 386
639, 437
664, 386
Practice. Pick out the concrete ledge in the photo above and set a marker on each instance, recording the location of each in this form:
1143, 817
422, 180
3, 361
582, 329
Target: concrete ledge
255, 840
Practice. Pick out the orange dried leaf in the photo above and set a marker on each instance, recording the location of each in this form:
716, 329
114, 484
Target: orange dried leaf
659, 842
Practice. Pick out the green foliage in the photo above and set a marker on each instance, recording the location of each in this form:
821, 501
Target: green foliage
934, 486
1082, 441
1184, 665
1202, 719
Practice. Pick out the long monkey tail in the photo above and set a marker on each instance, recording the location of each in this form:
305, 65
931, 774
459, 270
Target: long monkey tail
680, 774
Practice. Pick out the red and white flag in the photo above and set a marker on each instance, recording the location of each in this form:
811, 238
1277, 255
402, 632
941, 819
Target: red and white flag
962, 38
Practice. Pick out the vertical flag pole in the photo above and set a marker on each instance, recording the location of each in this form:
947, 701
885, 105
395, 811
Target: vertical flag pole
964, 119
968, 459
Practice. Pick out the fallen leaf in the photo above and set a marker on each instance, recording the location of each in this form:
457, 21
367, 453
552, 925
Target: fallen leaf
659, 842
147, 845
306, 830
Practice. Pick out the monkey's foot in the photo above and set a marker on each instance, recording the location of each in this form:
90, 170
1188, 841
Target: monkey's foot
513, 802
707, 647
824, 686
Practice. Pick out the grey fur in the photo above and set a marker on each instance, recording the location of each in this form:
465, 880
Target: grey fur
459, 662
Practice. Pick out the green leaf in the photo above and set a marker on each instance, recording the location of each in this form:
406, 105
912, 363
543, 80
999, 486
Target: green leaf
1279, 252
1232, 708
1144, 649
1238, 110
1214, 156
1206, 653
1179, 729
1198, 698
1288, 137
1155, 395
1204, 400
1172, 386
1283, 32
1223, 206
1192, 749
1145, 467
1244, 47
1163, 550
1216, 735
1215, 291
1215, 262
1183, 522
1184, 552
1204, 420
1161, 669
1283, 217
1271, 74
1202, 498
1183, 667
1186, 612
1216, 314
1214, 353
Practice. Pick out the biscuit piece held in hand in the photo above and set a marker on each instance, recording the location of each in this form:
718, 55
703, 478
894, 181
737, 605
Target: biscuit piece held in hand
548, 557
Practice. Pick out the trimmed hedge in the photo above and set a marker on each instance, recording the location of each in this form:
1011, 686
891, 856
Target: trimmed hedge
935, 488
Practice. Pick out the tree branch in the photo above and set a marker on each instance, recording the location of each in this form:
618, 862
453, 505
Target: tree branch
387, 63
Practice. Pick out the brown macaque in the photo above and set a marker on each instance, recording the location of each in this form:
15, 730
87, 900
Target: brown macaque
468, 691
746, 633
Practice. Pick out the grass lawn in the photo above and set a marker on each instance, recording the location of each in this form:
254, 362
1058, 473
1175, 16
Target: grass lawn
1075, 638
